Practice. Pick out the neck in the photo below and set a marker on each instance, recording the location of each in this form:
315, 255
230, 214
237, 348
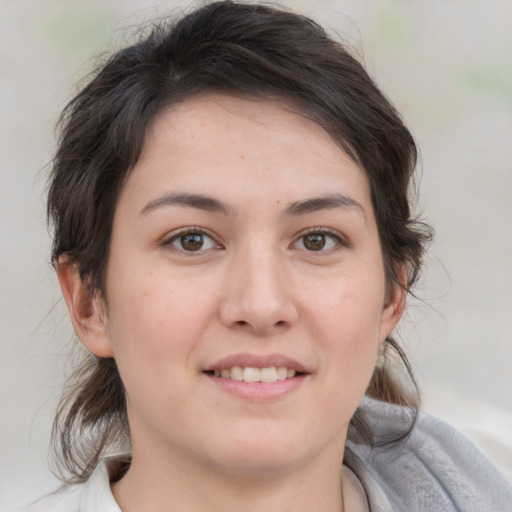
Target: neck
153, 484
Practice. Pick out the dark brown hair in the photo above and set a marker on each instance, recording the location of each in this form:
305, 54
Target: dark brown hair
234, 48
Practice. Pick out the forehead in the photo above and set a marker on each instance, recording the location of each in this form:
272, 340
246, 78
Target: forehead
225, 143
225, 118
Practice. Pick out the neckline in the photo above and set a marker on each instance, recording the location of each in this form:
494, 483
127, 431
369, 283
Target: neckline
375, 496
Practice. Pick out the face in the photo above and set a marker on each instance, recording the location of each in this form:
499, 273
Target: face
245, 288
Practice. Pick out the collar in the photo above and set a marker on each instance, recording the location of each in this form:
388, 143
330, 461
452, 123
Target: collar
97, 494
377, 500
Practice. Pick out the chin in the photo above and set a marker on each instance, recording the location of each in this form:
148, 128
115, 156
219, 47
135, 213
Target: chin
260, 455
258, 465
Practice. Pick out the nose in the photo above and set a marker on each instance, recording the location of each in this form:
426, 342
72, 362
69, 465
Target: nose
258, 295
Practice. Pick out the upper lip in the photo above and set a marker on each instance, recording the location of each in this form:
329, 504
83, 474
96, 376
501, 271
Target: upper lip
257, 361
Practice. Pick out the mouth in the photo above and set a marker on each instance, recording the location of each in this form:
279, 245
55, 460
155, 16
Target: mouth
258, 377
254, 374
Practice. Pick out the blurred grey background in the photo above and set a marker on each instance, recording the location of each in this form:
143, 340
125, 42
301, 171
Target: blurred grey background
446, 64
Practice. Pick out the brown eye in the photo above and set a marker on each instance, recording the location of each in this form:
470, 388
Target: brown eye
192, 241
314, 242
321, 241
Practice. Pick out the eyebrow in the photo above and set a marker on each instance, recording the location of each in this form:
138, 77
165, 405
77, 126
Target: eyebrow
210, 204
199, 201
326, 202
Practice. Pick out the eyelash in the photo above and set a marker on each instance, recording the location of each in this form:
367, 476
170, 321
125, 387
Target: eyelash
190, 230
339, 241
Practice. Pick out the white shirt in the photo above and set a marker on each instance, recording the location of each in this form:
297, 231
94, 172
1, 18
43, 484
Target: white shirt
435, 469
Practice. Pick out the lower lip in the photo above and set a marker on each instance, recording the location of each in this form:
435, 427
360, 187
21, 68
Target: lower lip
258, 391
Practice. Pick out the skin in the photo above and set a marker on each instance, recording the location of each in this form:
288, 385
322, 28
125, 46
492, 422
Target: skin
254, 288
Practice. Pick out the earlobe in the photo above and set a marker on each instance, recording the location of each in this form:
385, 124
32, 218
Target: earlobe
394, 307
86, 311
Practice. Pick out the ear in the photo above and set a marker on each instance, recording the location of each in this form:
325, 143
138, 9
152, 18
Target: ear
87, 312
394, 306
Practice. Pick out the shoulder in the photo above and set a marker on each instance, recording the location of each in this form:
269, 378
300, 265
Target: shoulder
65, 499
92, 496
434, 468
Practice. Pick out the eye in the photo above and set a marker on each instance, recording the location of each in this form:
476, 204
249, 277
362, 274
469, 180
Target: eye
319, 241
192, 241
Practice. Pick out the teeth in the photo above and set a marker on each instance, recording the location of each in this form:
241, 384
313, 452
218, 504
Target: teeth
237, 373
282, 373
268, 374
250, 374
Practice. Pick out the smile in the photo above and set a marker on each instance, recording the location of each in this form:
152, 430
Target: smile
252, 374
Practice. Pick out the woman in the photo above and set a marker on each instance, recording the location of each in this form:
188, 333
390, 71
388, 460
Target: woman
234, 241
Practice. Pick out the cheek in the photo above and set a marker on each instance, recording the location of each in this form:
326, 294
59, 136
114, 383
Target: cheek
153, 321
345, 320
349, 308
152, 334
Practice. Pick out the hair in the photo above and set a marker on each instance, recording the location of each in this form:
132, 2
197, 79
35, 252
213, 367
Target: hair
233, 48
